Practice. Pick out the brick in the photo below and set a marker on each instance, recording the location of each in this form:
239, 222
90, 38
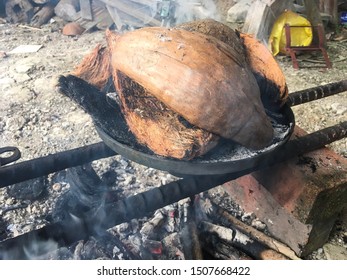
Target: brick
299, 200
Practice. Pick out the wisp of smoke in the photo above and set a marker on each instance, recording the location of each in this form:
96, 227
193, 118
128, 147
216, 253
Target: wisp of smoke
189, 10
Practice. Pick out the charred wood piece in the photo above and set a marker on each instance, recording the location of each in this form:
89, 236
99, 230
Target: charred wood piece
241, 241
255, 234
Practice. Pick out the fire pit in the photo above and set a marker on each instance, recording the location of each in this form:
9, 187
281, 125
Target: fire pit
92, 220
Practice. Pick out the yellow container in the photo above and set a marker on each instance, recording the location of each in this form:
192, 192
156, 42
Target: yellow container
300, 36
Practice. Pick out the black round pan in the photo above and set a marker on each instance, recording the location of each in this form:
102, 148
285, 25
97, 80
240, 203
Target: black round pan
227, 157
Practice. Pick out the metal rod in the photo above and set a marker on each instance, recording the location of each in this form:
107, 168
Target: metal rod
311, 94
38, 167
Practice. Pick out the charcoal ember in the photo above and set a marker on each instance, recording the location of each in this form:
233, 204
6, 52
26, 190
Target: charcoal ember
155, 247
29, 190
92, 249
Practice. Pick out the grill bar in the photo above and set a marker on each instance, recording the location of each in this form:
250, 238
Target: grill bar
34, 168
311, 94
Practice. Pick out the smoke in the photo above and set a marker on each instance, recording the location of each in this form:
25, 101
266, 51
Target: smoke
189, 10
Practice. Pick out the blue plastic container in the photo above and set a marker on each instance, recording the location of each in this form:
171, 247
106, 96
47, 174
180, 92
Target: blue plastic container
344, 18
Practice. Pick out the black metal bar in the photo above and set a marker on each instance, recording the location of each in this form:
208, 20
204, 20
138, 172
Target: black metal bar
38, 167
311, 94
98, 220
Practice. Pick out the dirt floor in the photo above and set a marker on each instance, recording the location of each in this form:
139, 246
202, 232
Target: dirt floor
40, 121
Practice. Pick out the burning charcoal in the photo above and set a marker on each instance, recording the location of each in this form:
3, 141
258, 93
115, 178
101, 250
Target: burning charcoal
248, 218
78, 250
189, 234
91, 249
202, 207
172, 240
133, 244
29, 190
153, 246
256, 223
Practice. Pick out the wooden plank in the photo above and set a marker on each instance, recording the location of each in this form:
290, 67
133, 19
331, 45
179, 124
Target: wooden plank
86, 10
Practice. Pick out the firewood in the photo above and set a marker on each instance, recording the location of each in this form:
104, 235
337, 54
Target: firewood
241, 241
257, 235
